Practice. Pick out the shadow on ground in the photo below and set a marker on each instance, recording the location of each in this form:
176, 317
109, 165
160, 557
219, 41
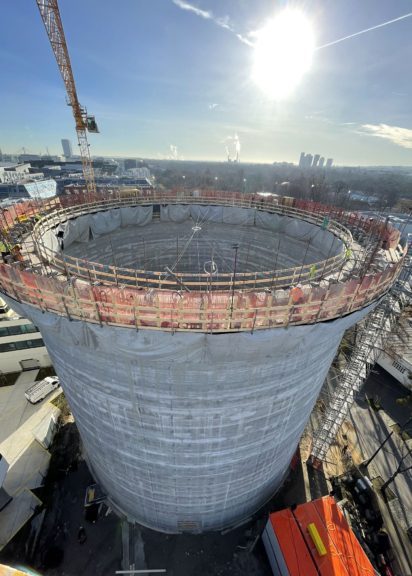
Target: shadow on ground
238, 552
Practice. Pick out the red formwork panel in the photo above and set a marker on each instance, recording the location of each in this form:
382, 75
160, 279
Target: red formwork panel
205, 311
345, 556
351, 553
292, 544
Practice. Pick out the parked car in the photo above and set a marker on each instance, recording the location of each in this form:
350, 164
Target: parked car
39, 390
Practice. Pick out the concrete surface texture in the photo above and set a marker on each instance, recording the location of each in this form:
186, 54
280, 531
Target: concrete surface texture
27, 459
189, 431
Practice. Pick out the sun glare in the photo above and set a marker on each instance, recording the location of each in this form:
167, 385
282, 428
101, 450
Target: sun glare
283, 53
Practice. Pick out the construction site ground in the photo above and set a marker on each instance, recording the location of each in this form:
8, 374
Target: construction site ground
23, 426
56, 550
359, 437
238, 552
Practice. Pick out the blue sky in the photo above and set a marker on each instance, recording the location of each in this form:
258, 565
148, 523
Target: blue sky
157, 75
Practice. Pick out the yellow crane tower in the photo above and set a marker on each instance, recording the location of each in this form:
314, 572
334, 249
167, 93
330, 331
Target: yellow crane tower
49, 11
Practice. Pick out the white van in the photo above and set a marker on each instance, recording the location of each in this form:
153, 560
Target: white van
39, 390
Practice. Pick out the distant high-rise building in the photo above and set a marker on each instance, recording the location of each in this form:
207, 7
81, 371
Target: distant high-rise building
67, 148
313, 161
329, 163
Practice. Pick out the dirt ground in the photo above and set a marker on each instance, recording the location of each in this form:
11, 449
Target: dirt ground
58, 551
211, 554
344, 451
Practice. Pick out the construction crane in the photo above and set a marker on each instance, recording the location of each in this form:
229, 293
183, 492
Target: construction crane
49, 11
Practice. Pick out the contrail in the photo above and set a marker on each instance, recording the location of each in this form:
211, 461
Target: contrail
366, 30
225, 23
208, 15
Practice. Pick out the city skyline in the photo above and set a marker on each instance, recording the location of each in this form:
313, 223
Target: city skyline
175, 82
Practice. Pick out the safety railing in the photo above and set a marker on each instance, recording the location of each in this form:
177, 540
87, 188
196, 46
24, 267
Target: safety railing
170, 310
78, 296
107, 274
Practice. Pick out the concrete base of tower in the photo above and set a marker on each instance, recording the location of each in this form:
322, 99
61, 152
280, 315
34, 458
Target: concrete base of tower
189, 431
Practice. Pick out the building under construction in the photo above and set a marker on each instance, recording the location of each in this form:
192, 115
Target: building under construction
192, 332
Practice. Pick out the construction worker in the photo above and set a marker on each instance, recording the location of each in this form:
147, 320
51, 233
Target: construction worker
312, 272
325, 223
5, 250
16, 253
348, 253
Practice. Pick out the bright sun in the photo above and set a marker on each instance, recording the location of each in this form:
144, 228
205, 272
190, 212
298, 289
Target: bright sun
283, 53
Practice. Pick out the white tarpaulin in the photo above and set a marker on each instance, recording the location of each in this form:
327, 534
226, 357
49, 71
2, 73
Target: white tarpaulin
41, 188
174, 213
189, 427
77, 230
105, 222
136, 215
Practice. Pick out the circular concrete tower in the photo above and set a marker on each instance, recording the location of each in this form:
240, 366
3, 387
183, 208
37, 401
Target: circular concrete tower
192, 333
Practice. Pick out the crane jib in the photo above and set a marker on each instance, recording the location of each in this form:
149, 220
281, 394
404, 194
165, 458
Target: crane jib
50, 14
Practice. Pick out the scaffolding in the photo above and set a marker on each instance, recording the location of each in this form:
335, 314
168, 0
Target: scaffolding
186, 431
82, 289
372, 335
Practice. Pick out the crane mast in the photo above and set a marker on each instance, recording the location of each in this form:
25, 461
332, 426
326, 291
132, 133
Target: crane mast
49, 11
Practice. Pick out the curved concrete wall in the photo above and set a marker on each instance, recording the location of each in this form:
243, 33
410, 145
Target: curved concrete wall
189, 429
116, 236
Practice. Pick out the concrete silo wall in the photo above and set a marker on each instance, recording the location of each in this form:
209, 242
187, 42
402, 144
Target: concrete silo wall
189, 429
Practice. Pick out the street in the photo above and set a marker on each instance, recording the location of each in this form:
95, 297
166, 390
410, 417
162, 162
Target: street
372, 428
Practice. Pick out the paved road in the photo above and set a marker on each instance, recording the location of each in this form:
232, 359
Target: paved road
387, 390
371, 429
28, 460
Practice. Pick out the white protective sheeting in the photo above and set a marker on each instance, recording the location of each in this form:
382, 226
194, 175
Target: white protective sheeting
189, 427
274, 222
96, 225
105, 222
298, 238
240, 216
207, 213
321, 239
136, 215
225, 214
49, 241
174, 213
77, 230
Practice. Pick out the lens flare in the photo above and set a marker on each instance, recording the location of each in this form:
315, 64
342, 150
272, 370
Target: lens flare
283, 53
